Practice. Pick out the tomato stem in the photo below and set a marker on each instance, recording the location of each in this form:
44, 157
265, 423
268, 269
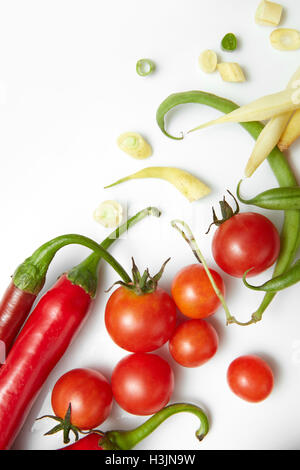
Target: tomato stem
190, 239
142, 284
64, 425
226, 211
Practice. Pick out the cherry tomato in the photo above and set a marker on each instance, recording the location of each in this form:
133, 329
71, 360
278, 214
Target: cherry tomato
140, 323
142, 383
193, 293
89, 393
250, 378
193, 343
245, 241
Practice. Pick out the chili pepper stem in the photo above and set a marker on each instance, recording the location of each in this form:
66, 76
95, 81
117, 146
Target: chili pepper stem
86, 273
30, 275
149, 211
126, 440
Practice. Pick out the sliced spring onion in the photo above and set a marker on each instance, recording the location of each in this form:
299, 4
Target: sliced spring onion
284, 39
134, 145
268, 13
145, 67
109, 214
190, 186
208, 61
229, 42
231, 72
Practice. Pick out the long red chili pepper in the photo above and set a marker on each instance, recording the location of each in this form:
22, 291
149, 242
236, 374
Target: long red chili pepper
126, 440
47, 334
28, 281
14, 309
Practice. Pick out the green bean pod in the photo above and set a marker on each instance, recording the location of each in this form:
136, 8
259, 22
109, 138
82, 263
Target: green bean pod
290, 235
284, 198
287, 279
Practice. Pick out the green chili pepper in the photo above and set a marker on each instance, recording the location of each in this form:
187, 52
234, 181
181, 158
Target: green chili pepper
126, 440
287, 279
290, 235
229, 42
145, 67
275, 198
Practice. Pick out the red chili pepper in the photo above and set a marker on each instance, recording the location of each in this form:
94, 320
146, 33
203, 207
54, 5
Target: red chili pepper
28, 281
14, 309
89, 442
47, 334
126, 440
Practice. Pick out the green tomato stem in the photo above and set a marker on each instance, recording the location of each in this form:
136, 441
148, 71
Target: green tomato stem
187, 234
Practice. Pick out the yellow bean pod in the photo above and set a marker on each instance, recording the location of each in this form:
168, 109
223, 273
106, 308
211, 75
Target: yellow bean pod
190, 186
291, 133
259, 110
270, 135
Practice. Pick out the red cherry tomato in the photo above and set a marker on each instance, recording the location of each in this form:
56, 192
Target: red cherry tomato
89, 393
250, 378
142, 383
193, 343
246, 240
140, 323
193, 293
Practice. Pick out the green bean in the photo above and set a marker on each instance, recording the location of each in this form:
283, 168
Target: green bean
287, 279
290, 235
275, 199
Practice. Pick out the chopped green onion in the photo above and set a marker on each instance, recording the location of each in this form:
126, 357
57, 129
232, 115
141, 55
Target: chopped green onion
109, 214
134, 145
229, 42
145, 67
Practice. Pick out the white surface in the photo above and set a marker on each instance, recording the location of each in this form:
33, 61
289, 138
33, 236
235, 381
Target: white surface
68, 88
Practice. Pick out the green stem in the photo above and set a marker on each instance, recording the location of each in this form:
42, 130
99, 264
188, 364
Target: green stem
86, 273
149, 211
290, 235
126, 440
30, 275
190, 239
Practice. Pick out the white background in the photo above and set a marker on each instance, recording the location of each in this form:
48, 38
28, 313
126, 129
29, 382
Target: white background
68, 88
